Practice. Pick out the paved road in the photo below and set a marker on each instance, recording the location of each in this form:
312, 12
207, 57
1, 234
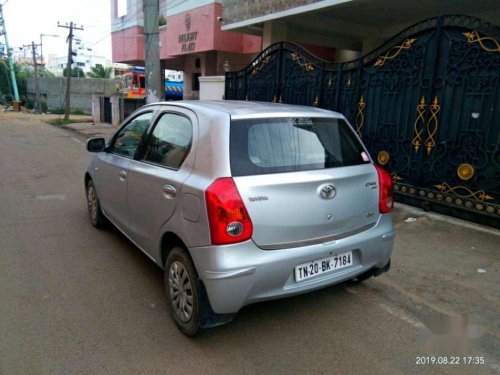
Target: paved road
76, 300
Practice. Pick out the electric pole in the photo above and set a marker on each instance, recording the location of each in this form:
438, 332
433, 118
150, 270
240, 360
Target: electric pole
9, 56
154, 87
72, 26
37, 85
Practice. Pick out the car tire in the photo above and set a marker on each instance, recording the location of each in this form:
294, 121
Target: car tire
186, 299
96, 217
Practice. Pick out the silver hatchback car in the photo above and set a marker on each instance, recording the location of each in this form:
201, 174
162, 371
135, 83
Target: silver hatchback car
241, 202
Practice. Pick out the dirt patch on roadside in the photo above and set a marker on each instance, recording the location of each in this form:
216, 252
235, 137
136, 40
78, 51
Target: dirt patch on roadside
47, 118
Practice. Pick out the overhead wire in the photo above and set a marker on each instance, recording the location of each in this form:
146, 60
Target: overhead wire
138, 15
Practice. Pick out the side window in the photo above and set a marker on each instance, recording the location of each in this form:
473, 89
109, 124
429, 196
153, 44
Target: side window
170, 141
131, 135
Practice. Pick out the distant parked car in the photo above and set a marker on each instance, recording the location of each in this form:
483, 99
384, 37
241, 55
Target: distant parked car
241, 202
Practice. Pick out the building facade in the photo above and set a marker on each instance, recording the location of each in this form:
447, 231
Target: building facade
350, 28
22, 55
84, 59
191, 39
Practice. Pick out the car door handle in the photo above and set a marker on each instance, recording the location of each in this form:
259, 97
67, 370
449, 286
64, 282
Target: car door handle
169, 191
123, 175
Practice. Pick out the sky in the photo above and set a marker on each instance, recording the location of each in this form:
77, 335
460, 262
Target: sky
27, 19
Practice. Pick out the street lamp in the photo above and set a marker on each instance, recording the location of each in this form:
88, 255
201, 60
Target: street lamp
41, 44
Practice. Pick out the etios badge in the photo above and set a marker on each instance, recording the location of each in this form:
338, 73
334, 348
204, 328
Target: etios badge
327, 191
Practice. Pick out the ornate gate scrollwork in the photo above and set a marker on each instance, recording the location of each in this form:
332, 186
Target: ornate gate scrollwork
426, 104
360, 117
394, 52
419, 125
473, 37
432, 125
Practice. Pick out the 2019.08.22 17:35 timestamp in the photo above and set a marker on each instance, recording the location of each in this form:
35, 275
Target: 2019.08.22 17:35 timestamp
452, 360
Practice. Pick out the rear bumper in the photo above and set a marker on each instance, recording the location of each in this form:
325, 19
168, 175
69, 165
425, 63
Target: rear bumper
241, 274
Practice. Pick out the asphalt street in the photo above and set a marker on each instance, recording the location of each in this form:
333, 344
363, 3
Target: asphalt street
77, 300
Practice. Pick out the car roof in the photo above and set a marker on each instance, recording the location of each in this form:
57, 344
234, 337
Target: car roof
246, 109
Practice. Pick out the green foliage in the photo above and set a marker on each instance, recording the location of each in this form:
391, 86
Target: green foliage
61, 111
100, 72
61, 121
5, 90
77, 111
23, 72
30, 104
57, 111
42, 72
162, 21
75, 72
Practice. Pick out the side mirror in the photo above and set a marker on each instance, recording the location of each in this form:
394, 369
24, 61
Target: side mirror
96, 144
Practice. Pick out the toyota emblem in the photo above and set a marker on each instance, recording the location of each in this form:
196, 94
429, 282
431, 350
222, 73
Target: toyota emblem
327, 191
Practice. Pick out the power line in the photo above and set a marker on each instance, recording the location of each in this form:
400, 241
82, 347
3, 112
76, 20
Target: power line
100, 40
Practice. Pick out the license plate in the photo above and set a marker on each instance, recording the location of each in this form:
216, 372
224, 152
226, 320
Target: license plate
317, 267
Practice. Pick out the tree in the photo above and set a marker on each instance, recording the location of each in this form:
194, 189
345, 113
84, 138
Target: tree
75, 72
100, 72
5, 88
162, 21
22, 71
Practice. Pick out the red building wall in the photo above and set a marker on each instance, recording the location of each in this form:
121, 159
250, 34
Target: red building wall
194, 31
128, 45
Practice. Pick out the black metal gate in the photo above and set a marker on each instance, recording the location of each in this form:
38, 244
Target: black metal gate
106, 110
426, 104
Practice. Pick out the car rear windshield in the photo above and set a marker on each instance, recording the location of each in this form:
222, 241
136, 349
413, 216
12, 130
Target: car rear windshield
276, 145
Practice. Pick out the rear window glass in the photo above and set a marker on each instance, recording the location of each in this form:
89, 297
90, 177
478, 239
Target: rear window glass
275, 145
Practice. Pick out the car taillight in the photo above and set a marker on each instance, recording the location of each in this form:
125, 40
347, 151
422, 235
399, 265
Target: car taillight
386, 195
227, 216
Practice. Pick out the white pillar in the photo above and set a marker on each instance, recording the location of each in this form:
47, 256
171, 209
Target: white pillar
274, 31
96, 108
116, 112
212, 87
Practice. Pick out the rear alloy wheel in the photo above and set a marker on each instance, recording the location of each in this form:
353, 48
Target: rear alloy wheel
180, 291
182, 288
96, 217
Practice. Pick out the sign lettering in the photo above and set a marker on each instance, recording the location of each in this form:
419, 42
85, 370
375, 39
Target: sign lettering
188, 41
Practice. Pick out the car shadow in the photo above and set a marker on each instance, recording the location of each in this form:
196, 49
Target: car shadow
270, 316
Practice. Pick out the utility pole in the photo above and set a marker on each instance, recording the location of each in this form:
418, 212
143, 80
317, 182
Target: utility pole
152, 51
9, 56
37, 85
72, 26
